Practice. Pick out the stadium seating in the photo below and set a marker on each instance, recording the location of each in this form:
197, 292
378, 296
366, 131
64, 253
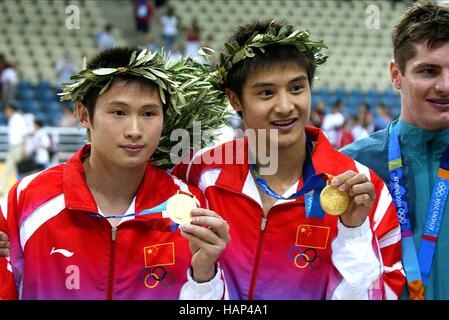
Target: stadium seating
34, 35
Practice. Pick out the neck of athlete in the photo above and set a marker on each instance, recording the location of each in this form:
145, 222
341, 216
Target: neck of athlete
290, 161
113, 188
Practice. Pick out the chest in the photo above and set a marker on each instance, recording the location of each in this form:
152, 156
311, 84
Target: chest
74, 255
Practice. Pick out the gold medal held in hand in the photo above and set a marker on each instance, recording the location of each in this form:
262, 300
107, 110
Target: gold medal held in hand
179, 208
334, 201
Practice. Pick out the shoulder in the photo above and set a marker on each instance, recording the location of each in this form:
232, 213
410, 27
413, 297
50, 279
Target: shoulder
36, 190
43, 182
371, 151
174, 183
369, 147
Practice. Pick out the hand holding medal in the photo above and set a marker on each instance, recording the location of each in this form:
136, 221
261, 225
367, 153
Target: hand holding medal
350, 195
207, 232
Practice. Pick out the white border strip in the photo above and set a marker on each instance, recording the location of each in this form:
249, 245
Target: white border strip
41, 215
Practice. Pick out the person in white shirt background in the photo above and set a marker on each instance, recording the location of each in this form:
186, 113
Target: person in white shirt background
17, 130
9, 83
169, 29
38, 145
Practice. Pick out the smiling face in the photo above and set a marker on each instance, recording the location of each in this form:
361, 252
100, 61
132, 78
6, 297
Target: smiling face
276, 97
126, 125
425, 87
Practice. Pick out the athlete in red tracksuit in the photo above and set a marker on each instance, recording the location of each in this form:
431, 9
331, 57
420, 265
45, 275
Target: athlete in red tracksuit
278, 251
286, 255
75, 229
61, 248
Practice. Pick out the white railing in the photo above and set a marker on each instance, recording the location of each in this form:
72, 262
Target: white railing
68, 141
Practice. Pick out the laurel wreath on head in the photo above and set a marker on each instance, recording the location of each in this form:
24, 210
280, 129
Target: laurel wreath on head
287, 35
186, 82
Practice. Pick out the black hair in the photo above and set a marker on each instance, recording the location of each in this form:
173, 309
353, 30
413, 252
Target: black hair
274, 54
114, 58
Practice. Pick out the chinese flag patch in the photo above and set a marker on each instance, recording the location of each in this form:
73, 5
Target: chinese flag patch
312, 236
161, 254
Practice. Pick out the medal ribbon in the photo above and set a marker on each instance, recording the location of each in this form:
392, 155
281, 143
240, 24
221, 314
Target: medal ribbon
417, 267
312, 182
158, 208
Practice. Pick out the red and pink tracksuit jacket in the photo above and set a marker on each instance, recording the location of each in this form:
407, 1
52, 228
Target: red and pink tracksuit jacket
286, 255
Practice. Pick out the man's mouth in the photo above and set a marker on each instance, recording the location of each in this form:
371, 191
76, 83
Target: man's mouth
439, 102
132, 148
283, 123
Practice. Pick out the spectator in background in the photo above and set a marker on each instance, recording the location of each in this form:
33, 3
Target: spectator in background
345, 136
358, 130
193, 41
17, 130
365, 117
175, 54
153, 45
68, 120
143, 11
382, 118
37, 147
333, 122
8, 82
2, 66
317, 115
104, 39
169, 29
159, 3
64, 70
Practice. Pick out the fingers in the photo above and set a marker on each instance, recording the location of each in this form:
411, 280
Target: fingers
207, 230
211, 220
205, 234
4, 244
4, 253
363, 200
346, 180
3, 236
212, 249
356, 184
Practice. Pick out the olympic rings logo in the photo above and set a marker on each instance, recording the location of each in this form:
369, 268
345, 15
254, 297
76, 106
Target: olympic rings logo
304, 258
441, 190
152, 277
401, 215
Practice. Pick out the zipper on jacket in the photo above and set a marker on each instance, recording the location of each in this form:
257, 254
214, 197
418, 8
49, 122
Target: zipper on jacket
252, 286
111, 264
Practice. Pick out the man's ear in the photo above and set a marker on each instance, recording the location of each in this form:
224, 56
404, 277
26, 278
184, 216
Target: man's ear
83, 115
395, 75
234, 100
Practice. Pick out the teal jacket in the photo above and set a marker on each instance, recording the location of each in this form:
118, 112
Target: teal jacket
421, 154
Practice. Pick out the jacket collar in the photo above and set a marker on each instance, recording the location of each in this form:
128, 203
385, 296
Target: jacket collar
420, 142
77, 194
325, 159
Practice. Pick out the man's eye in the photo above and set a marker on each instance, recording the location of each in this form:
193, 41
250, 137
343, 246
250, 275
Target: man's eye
118, 113
297, 88
266, 93
148, 114
429, 71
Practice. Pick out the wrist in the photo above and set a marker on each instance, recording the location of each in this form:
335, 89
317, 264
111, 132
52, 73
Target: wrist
201, 275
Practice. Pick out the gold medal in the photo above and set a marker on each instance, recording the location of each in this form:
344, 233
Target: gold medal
334, 201
179, 208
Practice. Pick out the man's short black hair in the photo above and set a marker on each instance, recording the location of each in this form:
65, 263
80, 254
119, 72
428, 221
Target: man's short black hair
114, 58
274, 54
